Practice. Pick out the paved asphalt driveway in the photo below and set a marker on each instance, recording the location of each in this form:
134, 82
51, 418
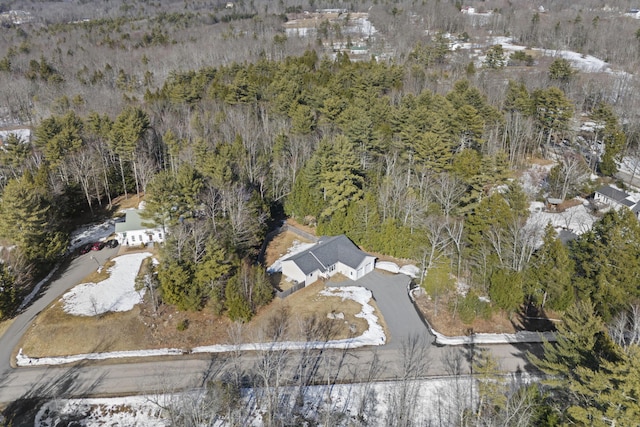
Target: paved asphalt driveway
391, 293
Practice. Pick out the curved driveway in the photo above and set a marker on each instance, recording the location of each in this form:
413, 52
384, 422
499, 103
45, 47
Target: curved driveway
391, 293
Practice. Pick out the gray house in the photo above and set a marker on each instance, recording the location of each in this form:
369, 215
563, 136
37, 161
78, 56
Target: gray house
617, 199
331, 255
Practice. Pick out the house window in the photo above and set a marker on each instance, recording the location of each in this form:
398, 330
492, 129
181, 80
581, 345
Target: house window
159, 235
133, 238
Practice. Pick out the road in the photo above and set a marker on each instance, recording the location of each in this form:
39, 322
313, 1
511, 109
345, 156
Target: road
32, 384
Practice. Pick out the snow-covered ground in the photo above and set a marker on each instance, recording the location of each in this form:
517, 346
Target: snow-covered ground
24, 134
116, 293
296, 248
374, 335
91, 233
577, 219
585, 63
408, 270
434, 401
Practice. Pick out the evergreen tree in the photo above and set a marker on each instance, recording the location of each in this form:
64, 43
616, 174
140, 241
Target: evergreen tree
612, 136
561, 70
211, 272
550, 274
495, 57
127, 130
25, 221
238, 307
606, 260
8, 298
342, 180
505, 289
517, 98
161, 200
552, 110
177, 286
579, 366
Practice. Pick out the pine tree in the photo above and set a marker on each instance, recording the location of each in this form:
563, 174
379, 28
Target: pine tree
238, 307
8, 297
561, 70
505, 289
550, 273
127, 130
161, 204
342, 180
24, 220
211, 272
552, 110
495, 57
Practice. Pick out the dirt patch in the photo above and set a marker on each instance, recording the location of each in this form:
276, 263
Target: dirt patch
568, 204
280, 245
448, 324
296, 224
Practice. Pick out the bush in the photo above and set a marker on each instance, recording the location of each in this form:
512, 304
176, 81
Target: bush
182, 325
471, 307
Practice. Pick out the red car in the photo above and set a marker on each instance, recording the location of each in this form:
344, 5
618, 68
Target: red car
85, 248
97, 246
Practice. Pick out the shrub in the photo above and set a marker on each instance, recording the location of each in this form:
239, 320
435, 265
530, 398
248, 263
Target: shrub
182, 325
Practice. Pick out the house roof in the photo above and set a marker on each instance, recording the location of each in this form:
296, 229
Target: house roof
133, 221
327, 252
613, 193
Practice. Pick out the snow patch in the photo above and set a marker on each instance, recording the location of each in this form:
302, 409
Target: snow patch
116, 293
91, 233
410, 270
388, 266
576, 219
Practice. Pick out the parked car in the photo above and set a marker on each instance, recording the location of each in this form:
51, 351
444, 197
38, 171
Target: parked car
111, 243
97, 246
85, 248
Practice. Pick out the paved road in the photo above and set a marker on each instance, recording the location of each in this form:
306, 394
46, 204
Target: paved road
168, 374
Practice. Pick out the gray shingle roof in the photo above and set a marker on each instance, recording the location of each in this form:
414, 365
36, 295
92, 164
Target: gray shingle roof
327, 252
613, 193
133, 222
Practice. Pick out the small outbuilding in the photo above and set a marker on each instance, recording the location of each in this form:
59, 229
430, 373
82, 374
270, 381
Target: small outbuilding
135, 230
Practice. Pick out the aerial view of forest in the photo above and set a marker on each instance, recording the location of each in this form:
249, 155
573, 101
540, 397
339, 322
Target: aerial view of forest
485, 153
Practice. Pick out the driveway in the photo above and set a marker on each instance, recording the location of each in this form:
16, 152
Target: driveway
73, 274
391, 293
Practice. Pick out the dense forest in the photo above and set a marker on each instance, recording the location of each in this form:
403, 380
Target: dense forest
227, 126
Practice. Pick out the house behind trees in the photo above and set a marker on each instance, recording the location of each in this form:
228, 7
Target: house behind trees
136, 231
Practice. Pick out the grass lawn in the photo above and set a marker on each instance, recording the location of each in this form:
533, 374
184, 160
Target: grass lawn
4, 325
301, 316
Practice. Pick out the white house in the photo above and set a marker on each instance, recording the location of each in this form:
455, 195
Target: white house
331, 255
135, 231
617, 199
